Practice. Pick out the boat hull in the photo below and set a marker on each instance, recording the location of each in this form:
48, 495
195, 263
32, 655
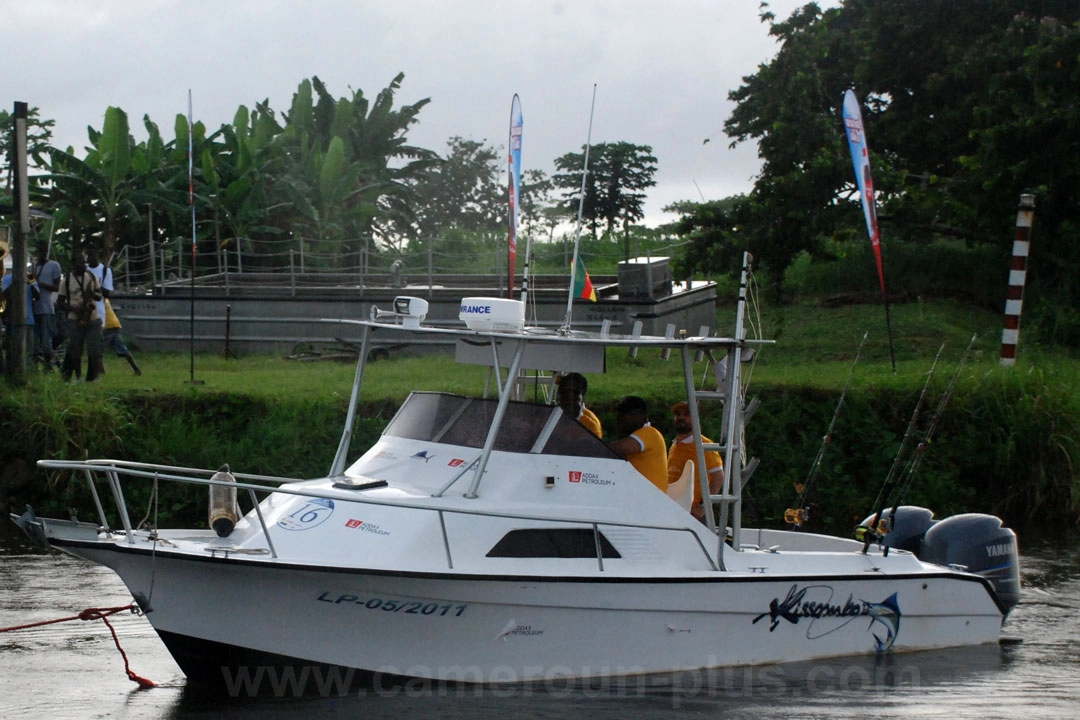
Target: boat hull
230, 621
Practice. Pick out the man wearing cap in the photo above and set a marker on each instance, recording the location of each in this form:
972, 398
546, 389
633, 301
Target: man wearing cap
571, 398
643, 445
683, 449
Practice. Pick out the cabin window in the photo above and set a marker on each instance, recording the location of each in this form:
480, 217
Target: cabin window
457, 420
552, 543
425, 415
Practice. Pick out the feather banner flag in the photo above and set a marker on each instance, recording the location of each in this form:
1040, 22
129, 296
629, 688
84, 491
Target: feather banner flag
860, 157
583, 287
515, 188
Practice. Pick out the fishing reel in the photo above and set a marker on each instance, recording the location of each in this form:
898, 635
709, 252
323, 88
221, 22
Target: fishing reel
868, 532
796, 516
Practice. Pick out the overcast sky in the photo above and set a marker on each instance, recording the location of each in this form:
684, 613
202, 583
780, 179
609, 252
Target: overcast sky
662, 69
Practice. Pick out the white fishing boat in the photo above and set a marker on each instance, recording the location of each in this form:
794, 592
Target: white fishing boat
492, 540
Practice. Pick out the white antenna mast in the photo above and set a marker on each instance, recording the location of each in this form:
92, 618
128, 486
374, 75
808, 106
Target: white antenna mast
580, 212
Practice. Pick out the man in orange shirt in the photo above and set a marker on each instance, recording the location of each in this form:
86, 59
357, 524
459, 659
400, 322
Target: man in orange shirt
683, 449
643, 445
571, 398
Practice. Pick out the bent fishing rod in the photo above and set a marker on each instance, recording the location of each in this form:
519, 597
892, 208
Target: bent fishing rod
800, 513
894, 471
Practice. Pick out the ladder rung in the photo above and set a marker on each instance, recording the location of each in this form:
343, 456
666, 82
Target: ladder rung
710, 394
534, 379
723, 498
713, 447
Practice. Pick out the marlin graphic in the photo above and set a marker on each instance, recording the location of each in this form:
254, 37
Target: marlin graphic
888, 614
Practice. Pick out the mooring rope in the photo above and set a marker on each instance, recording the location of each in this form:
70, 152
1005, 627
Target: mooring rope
95, 614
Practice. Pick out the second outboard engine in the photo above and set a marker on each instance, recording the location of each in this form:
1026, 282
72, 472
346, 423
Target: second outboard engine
978, 544
907, 528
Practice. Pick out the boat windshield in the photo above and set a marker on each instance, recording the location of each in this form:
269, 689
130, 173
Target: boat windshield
459, 420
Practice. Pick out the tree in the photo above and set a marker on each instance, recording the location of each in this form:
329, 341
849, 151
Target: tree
540, 213
964, 111
709, 229
615, 184
465, 190
38, 135
99, 188
370, 174
239, 172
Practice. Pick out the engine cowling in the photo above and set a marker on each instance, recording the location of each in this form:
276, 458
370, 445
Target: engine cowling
906, 527
979, 544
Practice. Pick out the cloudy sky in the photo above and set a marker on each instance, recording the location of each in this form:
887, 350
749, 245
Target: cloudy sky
662, 69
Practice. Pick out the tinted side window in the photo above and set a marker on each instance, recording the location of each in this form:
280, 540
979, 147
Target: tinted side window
552, 543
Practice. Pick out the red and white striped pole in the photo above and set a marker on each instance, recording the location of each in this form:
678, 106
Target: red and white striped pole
1014, 299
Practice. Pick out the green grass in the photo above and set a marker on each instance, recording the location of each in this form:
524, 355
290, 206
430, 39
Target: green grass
274, 378
813, 346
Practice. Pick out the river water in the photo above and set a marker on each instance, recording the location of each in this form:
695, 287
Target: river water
74, 670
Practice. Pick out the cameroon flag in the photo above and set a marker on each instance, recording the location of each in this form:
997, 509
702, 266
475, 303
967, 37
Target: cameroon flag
583, 287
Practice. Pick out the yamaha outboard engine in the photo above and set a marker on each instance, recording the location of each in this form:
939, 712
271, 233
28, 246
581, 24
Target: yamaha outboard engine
907, 528
978, 544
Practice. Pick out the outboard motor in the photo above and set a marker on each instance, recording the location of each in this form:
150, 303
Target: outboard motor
908, 526
981, 545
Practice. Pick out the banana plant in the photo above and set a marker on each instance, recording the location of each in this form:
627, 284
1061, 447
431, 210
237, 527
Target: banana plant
237, 171
345, 170
102, 185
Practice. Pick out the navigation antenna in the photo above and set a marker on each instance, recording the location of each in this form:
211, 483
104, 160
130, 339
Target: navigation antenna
581, 210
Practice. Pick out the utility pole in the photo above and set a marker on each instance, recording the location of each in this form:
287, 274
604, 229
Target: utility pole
17, 342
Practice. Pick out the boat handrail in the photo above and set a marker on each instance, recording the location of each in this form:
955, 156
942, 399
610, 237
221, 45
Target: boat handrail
546, 336
112, 469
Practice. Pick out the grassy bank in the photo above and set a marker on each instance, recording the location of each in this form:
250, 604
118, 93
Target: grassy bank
1007, 442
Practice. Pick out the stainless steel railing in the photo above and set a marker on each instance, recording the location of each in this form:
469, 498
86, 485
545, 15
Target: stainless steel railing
112, 471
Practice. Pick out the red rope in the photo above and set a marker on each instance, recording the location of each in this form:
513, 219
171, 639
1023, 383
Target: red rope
95, 614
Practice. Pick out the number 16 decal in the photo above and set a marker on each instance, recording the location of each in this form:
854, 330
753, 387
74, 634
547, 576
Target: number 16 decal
312, 513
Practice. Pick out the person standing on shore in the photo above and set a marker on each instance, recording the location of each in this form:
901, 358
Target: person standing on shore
11, 323
77, 297
104, 277
47, 273
114, 339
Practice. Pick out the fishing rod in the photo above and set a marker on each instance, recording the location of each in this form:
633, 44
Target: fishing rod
580, 213
800, 513
890, 480
920, 448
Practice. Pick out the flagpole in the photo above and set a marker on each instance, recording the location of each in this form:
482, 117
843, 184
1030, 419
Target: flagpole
191, 201
580, 213
888, 329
